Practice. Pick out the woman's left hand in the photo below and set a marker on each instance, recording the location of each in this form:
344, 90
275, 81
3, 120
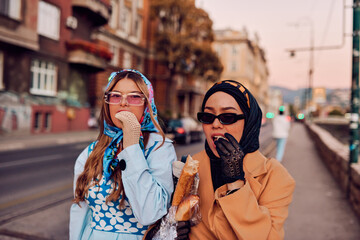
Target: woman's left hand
183, 230
232, 155
130, 126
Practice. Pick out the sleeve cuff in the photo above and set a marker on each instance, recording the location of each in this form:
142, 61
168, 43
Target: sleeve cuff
228, 189
134, 159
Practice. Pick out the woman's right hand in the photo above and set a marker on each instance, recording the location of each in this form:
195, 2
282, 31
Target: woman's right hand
130, 126
232, 155
183, 230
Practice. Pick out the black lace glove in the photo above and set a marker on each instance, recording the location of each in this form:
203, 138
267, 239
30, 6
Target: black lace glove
183, 230
232, 155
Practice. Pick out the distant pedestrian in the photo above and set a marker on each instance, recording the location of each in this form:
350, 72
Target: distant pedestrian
243, 194
281, 127
123, 181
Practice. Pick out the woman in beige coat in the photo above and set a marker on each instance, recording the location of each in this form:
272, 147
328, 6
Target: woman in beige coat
243, 194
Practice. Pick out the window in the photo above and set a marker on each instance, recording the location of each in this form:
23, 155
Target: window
125, 20
234, 51
233, 66
11, 8
37, 121
48, 20
140, 3
115, 58
138, 27
114, 15
217, 49
47, 121
127, 60
139, 63
2, 86
43, 78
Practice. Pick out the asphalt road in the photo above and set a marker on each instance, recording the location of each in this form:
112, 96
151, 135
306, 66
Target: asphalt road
34, 178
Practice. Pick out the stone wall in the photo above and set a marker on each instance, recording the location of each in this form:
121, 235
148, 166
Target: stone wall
335, 155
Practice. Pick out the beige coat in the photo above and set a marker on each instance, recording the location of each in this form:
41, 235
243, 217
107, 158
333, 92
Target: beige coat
256, 211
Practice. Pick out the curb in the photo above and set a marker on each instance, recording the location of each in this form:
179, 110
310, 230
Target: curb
37, 141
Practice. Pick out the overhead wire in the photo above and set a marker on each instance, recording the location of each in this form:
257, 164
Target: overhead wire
328, 21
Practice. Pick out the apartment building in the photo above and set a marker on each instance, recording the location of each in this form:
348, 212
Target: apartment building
56, 57
244, 61
47, 63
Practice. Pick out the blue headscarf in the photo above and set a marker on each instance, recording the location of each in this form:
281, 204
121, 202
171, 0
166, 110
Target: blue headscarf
116, 134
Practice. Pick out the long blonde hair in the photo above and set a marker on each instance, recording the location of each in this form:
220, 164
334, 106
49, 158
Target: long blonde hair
93, 168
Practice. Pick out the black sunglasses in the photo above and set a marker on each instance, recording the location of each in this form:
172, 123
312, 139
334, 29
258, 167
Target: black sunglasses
224, 118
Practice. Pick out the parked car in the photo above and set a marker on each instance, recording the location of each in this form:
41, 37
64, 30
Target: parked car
184, 130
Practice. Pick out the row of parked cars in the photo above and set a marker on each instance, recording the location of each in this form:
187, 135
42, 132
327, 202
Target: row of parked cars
183, 130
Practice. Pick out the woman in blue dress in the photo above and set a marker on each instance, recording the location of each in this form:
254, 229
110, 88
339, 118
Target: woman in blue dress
123, 181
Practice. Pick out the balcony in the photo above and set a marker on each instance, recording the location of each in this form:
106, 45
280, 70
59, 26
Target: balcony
88, 54
16, 28
99, 10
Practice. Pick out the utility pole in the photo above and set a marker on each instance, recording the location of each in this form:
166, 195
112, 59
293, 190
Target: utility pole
354, 121
311, 73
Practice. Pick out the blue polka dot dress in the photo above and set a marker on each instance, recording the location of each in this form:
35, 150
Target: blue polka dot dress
108, 216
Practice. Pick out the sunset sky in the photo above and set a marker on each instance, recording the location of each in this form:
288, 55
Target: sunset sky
284, 24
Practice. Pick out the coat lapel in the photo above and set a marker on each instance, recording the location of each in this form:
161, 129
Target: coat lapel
255, 163
254, 166
205, 184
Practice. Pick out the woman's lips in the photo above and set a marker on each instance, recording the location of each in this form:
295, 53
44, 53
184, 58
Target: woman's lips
121, 110
216, 137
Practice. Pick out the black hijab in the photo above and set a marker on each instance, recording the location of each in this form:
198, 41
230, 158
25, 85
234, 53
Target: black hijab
253, 116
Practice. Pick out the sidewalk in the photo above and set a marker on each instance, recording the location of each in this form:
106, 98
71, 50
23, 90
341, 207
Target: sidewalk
19, 142
319, 209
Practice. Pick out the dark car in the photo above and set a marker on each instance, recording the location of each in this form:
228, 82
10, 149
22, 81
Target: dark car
184, 130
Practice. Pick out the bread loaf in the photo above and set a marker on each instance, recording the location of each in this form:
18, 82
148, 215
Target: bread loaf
186, 180
186, 208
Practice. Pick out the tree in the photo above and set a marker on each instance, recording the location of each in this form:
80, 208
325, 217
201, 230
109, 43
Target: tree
183, 42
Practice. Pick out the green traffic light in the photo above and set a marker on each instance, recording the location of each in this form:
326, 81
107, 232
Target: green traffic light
269, 115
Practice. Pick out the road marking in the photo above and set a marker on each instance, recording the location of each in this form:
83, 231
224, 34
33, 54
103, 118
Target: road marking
80, 146
35, 196
31, 160
12, 146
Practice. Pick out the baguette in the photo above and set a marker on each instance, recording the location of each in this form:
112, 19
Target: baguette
186, 208
186, 180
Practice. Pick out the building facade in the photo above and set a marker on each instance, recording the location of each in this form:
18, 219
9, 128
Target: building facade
131, 36
47, 63
56, 57
244, 61
126, 35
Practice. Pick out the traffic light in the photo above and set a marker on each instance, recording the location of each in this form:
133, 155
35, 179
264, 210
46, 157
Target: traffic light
269, 115
300, 116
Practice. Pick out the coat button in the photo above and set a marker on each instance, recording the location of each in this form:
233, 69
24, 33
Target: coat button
122, 164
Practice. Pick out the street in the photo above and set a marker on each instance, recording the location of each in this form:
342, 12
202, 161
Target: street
37, 185
34, 178
38, 179
37, 191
